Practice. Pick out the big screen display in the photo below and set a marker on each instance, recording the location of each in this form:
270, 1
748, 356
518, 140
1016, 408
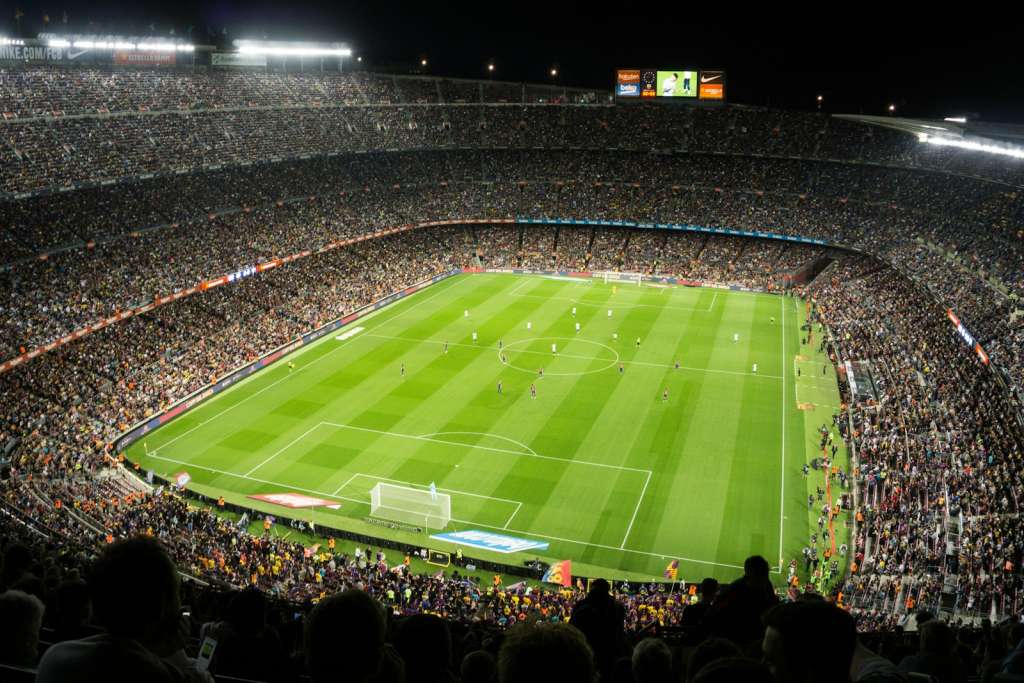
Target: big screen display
677, 83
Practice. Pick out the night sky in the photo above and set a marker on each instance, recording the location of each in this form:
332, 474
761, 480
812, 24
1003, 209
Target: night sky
967, 63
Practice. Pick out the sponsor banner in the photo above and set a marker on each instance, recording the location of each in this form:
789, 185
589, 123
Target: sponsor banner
145, 57
486, 540
36, 53
235, 59
296, 500
712, 85
627, 90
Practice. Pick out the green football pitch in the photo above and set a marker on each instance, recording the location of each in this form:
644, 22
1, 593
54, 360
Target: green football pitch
600, 465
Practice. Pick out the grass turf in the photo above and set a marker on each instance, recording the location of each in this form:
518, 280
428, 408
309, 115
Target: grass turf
598, 465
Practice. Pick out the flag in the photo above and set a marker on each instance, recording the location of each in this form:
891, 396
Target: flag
515, 587
311, 550
672, 570
560, 573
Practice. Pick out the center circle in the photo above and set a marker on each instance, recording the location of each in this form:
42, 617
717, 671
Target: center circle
562, 353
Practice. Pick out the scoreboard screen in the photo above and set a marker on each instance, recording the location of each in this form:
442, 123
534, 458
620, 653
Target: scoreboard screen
664, 84
677, 83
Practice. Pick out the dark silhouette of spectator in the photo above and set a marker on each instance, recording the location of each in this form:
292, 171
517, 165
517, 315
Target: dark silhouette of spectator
736, 612
734, 670
652, 661
1001, 643
478, 667
134, 586
74, 611
17, 563
936, 657
21, 617
693, 615
425, 645
809, 642
709, 651
246, 648
555, 652
345, 638
601, 619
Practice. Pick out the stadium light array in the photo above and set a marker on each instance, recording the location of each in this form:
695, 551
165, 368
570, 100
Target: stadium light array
956, 119
1013, 152
490, 67
119, 43
11, 41
284, 49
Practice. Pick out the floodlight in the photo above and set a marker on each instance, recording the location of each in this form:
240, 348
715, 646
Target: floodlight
58, 42
1013, 152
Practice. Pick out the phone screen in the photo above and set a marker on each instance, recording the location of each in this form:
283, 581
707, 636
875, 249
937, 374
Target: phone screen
205, 654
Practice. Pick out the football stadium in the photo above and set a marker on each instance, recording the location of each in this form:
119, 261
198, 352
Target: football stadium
317, 372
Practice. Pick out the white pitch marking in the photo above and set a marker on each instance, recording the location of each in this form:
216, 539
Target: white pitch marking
574, 356
514, 512
283, 449
460, 521
496, 436
636, 510
307, 365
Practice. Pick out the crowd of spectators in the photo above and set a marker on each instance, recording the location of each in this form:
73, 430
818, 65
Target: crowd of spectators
938, 440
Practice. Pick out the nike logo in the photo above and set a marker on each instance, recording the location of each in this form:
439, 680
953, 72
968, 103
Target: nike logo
708, 79
76, 55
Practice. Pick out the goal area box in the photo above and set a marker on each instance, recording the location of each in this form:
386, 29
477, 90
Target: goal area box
408, 505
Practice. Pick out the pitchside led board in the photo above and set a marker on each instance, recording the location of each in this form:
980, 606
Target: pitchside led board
676, 84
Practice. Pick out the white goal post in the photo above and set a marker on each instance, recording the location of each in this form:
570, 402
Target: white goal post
407, 505
612, 277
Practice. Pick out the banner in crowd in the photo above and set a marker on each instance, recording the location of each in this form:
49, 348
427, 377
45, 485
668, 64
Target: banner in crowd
560, 573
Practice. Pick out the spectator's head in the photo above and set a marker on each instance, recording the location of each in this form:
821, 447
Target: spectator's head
134, 586
247, 611
344, 638
600, 588
478, 667
425, 644
923, 617
74, 607
937, 638
708, 589
561, 648
732, 670
756, 567
807, 642
709, 651
21, 617
17, 562
652, 661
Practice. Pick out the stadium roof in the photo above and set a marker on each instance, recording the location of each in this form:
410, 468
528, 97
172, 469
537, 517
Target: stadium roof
999, 134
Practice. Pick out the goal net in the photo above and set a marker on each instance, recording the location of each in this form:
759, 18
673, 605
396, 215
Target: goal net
410, 506
613, 277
